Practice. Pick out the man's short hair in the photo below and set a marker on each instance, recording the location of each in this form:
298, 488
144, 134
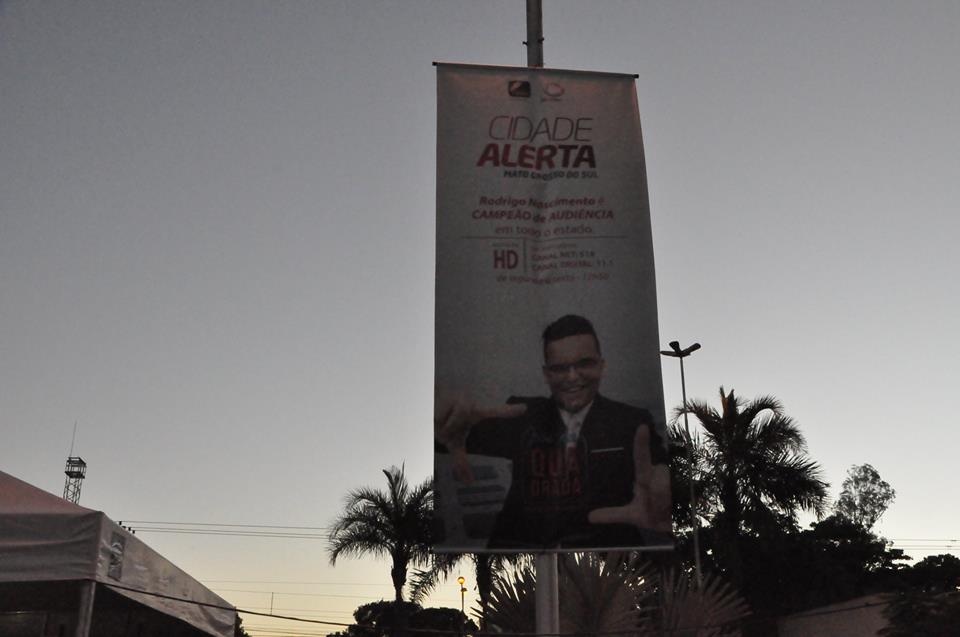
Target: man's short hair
569, 325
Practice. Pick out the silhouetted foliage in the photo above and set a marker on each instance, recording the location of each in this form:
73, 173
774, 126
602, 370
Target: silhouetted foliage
393, 523
864, 496
446, 619
935, 574
390, 619
929, 602
918, 613
753, 477
619, 594
238, 630
751, 469
835, 560
596, 595
486, 566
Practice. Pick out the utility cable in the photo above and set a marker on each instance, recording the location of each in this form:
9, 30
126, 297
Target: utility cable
432, 631
250, 526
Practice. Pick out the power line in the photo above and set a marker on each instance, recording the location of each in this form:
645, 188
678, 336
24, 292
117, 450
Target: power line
427, 631
249, 526
283, 593
229, 590
298, 583
308, 611
232, 533
303, 532
327, 528
272, 631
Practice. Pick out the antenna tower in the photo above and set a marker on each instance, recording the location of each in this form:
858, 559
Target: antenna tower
76, 471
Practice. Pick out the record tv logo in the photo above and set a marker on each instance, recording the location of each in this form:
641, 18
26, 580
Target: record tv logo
521, 88
551, 92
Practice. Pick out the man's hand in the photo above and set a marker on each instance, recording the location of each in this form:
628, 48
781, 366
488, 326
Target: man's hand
453, 417
650, 506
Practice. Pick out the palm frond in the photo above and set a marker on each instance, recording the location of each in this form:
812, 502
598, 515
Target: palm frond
708, 417
710, 612
596, 596
759, 405
513, 601
356, 542
777, 433
424, 581
793, 481
601, 595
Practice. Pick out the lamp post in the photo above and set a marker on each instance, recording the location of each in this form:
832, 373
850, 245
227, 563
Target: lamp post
676, 352
463, 616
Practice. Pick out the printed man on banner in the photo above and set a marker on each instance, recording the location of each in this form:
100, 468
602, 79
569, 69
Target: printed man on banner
588, 471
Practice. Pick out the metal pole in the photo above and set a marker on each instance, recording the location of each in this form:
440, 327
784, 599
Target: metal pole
547, 587
463, 616
534, 33
85, 611
693, 495
548, 595
676, 352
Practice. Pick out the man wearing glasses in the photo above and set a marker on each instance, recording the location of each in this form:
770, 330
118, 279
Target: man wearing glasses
587, 471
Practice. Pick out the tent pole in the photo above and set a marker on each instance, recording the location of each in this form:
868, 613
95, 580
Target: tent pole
85, 612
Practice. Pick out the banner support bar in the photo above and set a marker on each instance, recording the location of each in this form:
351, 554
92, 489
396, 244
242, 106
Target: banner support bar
534, 33
547, 594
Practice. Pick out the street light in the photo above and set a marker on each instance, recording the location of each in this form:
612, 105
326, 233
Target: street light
676, 352
463, 590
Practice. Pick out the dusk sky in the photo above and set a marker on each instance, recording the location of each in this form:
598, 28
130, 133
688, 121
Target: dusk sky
217, 248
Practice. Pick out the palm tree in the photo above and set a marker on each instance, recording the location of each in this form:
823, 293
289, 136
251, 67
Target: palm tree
753, 470
394, 523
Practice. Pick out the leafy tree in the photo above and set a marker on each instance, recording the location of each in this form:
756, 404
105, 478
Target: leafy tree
238, 630
918, 613
393, 523
846, 541
935, 573
864, 496
382, 619
930, 603
375, 619
835, 560
449, 620
752, 470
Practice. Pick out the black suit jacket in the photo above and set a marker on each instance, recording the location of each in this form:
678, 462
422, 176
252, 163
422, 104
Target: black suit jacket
553, 487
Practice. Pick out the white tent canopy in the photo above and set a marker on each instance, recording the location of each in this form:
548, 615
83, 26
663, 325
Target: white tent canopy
44, 538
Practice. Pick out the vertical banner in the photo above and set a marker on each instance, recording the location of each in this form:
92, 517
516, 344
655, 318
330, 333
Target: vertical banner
549, 419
